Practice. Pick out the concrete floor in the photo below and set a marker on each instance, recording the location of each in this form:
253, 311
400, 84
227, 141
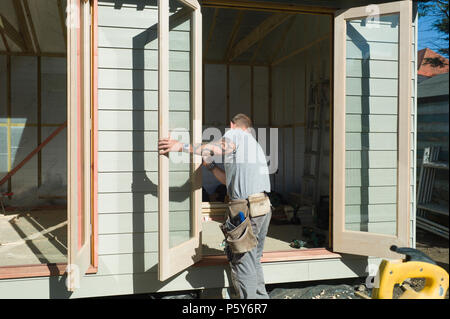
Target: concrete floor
33, 237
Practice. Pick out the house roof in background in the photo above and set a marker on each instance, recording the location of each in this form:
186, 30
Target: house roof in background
427, 69
434, 86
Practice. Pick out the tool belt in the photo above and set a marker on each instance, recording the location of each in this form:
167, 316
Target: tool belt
241, 238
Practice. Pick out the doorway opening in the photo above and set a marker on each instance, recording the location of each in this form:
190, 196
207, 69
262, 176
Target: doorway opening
276, 68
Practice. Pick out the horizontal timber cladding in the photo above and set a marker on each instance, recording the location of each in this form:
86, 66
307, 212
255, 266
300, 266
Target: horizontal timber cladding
127, 199
372, 79
128, 135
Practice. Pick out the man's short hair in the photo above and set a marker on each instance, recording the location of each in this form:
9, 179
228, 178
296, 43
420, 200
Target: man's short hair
242, 120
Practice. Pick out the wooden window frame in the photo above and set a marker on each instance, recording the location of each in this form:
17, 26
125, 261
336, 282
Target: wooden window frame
59, 269
175, 259
355, 242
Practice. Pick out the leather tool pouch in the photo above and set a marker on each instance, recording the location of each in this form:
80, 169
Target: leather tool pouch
241, 238
259, 205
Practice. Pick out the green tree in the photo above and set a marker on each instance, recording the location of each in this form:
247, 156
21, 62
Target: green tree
439, 10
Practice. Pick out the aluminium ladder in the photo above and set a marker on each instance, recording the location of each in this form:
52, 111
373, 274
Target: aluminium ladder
430, 165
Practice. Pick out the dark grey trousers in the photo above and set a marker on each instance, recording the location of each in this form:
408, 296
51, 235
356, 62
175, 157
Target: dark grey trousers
247, 276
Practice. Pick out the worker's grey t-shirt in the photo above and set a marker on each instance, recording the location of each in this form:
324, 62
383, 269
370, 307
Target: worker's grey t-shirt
246, 168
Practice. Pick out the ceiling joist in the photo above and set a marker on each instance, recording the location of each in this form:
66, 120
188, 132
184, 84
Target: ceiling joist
259, 33
7, 28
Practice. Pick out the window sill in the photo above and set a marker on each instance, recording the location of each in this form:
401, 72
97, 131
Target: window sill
44, 270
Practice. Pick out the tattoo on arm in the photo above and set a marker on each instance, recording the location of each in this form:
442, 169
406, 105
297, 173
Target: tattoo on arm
223, 146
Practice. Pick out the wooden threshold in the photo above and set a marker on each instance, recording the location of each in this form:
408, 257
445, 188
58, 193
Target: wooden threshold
275, 256
44, 270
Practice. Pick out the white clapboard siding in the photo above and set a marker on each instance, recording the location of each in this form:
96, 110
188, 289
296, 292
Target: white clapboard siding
372, 159
114, 120
136, 242
372, 68
371, 141
127, 263
370, 195
140, 182
127, 141
371, 50
140, 100
141, 59
383, 28
140, 80
374, 213
140, 39
371, 123
133, 18
110, 203
370, 177
140, 222
371, 86
386, 227
371, 105
148, 161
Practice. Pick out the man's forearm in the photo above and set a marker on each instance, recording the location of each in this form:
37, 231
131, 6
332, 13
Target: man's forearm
210, 149
204, 149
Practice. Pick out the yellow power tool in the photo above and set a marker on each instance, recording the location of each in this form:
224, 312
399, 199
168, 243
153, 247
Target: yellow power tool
415, 265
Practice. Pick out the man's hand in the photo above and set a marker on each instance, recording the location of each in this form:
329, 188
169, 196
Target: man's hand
166, 145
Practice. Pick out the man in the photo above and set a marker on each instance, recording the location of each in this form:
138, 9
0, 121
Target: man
246, 175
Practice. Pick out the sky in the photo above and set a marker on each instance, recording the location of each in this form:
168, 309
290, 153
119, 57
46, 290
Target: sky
428, 38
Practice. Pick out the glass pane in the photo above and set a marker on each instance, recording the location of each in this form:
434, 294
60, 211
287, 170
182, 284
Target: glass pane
180, 106
371, 124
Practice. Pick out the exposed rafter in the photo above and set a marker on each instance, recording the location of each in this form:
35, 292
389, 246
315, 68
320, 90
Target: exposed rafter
32, 28
255, 53
234, 32
259, 33
23, 27
7, 28
294, 53
282, 39
5, 42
